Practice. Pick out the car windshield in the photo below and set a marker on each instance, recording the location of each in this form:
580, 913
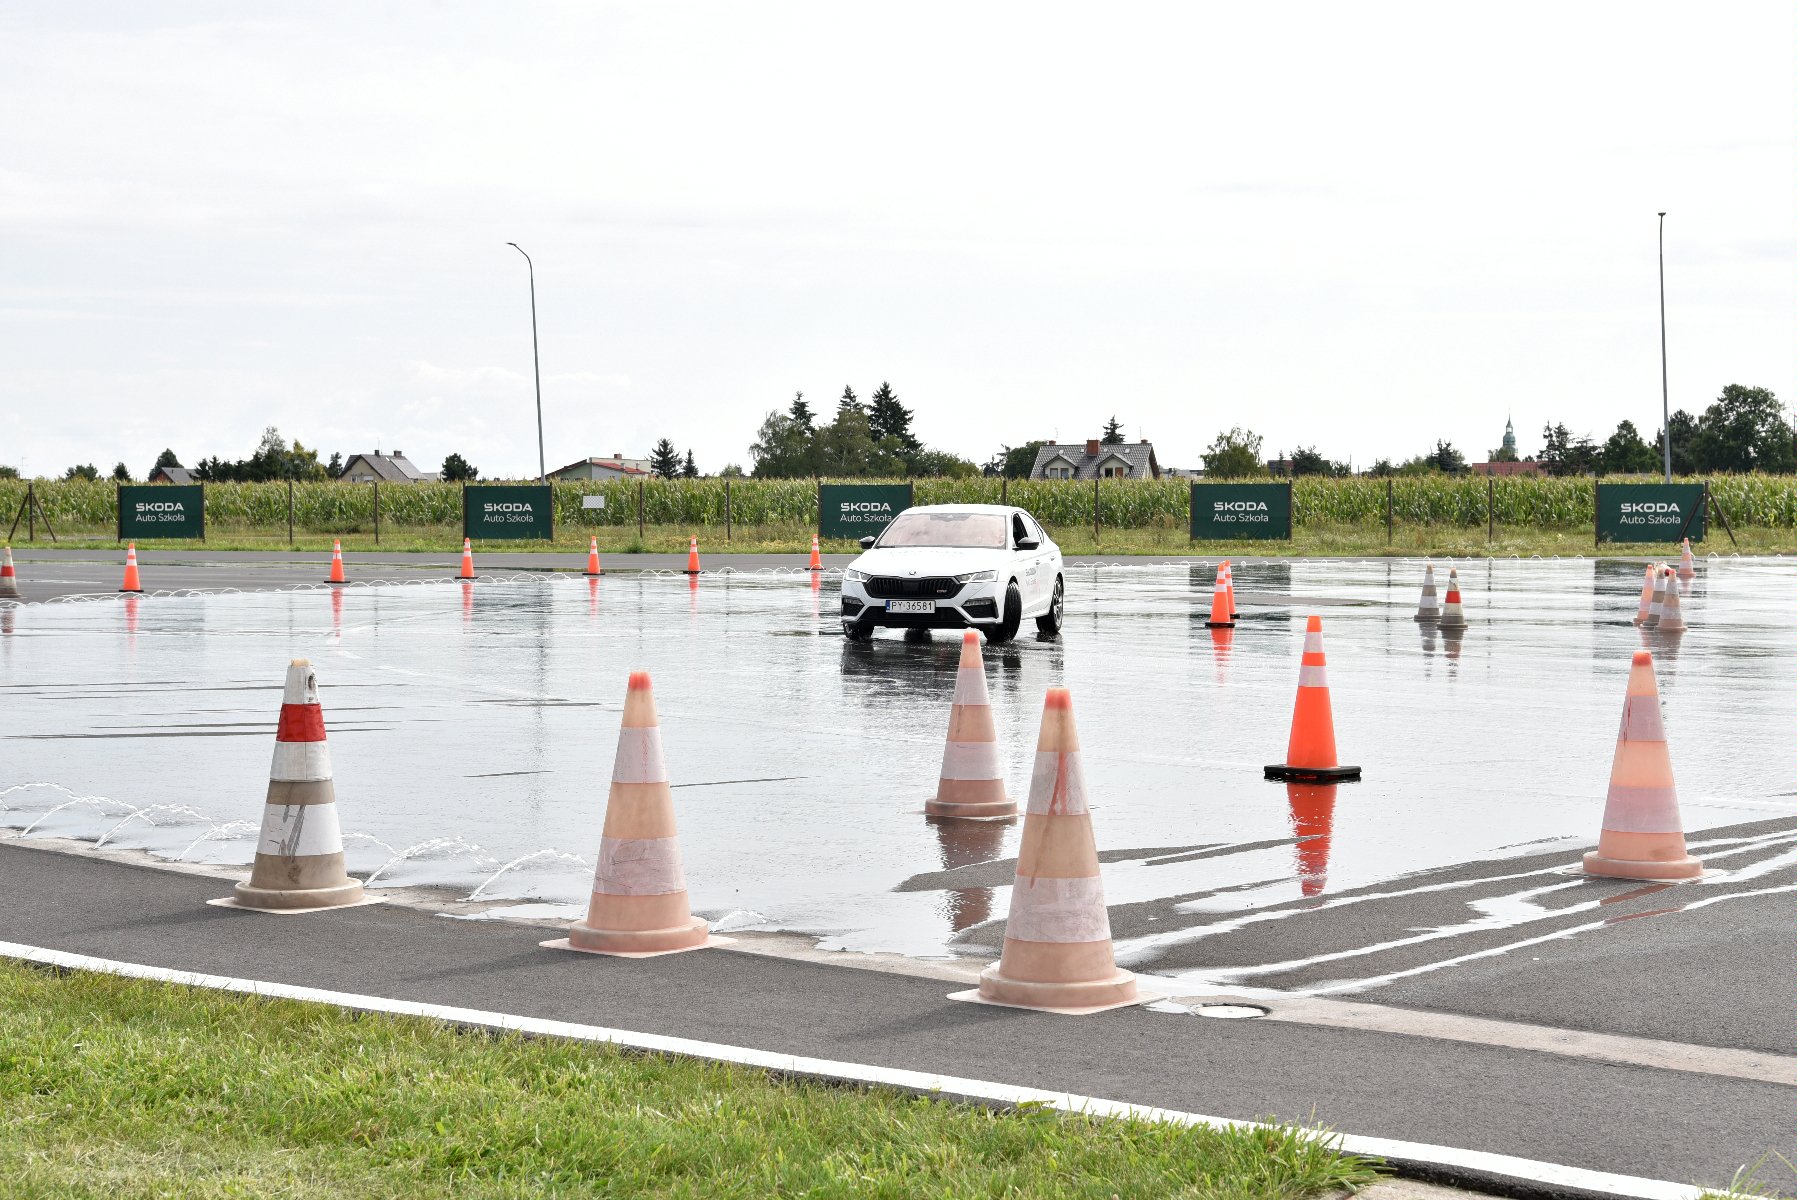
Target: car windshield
985, 531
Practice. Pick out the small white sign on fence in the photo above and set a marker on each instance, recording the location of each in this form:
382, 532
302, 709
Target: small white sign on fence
592, 502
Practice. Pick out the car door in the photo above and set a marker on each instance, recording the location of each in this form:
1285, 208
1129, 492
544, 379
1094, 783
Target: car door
1044, 562
1030, 582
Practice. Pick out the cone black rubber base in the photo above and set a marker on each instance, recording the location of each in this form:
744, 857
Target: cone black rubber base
132, 591
1312, 774
1219, 624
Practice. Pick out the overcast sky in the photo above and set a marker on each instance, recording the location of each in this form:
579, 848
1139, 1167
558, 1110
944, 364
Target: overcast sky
1358, 226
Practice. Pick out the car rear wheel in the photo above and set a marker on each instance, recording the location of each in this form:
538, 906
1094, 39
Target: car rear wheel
1006, 629
1050, 621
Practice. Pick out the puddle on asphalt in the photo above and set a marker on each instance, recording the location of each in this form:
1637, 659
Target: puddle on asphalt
473, 730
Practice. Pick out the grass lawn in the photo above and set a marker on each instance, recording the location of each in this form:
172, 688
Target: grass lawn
121, 1088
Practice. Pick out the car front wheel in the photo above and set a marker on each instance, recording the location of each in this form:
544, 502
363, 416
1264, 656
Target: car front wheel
1050, 622
858, 631
1006, 629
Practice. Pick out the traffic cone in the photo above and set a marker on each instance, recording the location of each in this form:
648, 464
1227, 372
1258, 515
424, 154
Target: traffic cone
336, 575
9, 579
593, 557
1642, 836
692, 556
1229, 583
1310, 754
131, 584
1219, 604
817, 560
639, 906
467, 571
972, 782
1428, 609
1659, 596
1672, 620
299, 857
1312, 809
1452, 617
1644, 615
1687, 566
1057, 952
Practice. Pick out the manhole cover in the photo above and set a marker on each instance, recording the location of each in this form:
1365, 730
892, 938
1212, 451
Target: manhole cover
1232, 1012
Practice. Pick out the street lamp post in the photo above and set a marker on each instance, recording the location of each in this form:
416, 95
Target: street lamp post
1666, 406
537, 362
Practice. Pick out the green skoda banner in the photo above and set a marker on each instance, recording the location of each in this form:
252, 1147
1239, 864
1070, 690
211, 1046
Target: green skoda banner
858, 510
500, 511
1238, 511
1650, 512
162, 510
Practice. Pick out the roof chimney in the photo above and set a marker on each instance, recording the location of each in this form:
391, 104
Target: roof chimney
398, 453
1050, 441
617, 454
1092, 446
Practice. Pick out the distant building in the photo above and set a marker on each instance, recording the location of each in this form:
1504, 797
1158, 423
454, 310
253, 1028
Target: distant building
1504, 460
1096, 460
383, 468
170, 475
1279, 466
1182, 472
615, 467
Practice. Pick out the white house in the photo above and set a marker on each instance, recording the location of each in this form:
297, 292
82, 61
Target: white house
1096, 460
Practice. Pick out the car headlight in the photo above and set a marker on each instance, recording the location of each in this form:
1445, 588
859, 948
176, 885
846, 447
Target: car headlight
851, 575
978, 577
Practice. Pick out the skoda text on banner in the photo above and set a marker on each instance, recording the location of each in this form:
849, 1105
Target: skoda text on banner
497, 511
1240, 511
1650, 512
162, 510
858, 510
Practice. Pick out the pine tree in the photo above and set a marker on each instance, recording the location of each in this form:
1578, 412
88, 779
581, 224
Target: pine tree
689, 469
1113, 432
887, 418
848, 403
802, 414
664, 460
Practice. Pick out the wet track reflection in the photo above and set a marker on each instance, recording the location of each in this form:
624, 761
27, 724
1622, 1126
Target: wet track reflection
473, 728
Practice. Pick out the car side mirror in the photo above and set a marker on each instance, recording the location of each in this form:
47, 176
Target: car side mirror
867, 543
1028, 544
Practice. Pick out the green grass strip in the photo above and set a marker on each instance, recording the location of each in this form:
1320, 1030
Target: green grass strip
120, 1088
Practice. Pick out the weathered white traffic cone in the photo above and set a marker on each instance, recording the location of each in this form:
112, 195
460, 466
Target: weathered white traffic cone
1428, 609
1658, 604
1452, 617
1645, 613
973, 778
1643, 836
299, 856
1672, 619
1687, 566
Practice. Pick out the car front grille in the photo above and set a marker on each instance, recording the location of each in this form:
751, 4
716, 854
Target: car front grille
892, 587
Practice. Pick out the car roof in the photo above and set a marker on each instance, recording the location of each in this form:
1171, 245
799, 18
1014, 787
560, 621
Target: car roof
964, 508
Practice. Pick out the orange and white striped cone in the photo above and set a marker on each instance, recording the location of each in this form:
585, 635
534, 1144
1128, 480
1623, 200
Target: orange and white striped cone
9, 578
692, 556
336, 575
1687, 565
1229, 586
593, 557
972, 782
299, 855
1428, 609
1310, 754
639, 905
1659, 596
1219, 604
1643, 837
1452, 615
1672, 618
1057, 953
467, 571
131, 583
1645, 615
817, 559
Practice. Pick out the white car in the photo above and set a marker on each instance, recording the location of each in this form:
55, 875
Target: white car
955, 566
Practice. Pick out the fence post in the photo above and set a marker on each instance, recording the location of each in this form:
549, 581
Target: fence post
290, 513
1490, 508
118, 508
1095, 510
1388, 510
726, 510
639, 510
1004, 489
377, 510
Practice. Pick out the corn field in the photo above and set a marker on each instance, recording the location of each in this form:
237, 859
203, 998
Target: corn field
79, 508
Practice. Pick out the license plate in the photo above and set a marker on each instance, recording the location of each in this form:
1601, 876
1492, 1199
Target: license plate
910, 606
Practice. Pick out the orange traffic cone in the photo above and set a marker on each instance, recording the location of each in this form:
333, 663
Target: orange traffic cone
1057, 953
639, 904
467, 571
1687, 566
1428, 609
1642, 837
9, 579
1452, 616
817, 560
1310, 755
1671, 620
593, 557
299, 857
692, 556
1312, 808
131, 584
336, 575
1229, 584
972, 783
1645, 615
1220, 617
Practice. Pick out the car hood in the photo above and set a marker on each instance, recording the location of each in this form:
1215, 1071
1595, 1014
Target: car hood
928, 560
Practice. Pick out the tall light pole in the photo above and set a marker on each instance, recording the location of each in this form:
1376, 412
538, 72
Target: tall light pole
1666, 406
537, 362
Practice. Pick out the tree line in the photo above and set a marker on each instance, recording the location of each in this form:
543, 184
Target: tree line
871, 439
